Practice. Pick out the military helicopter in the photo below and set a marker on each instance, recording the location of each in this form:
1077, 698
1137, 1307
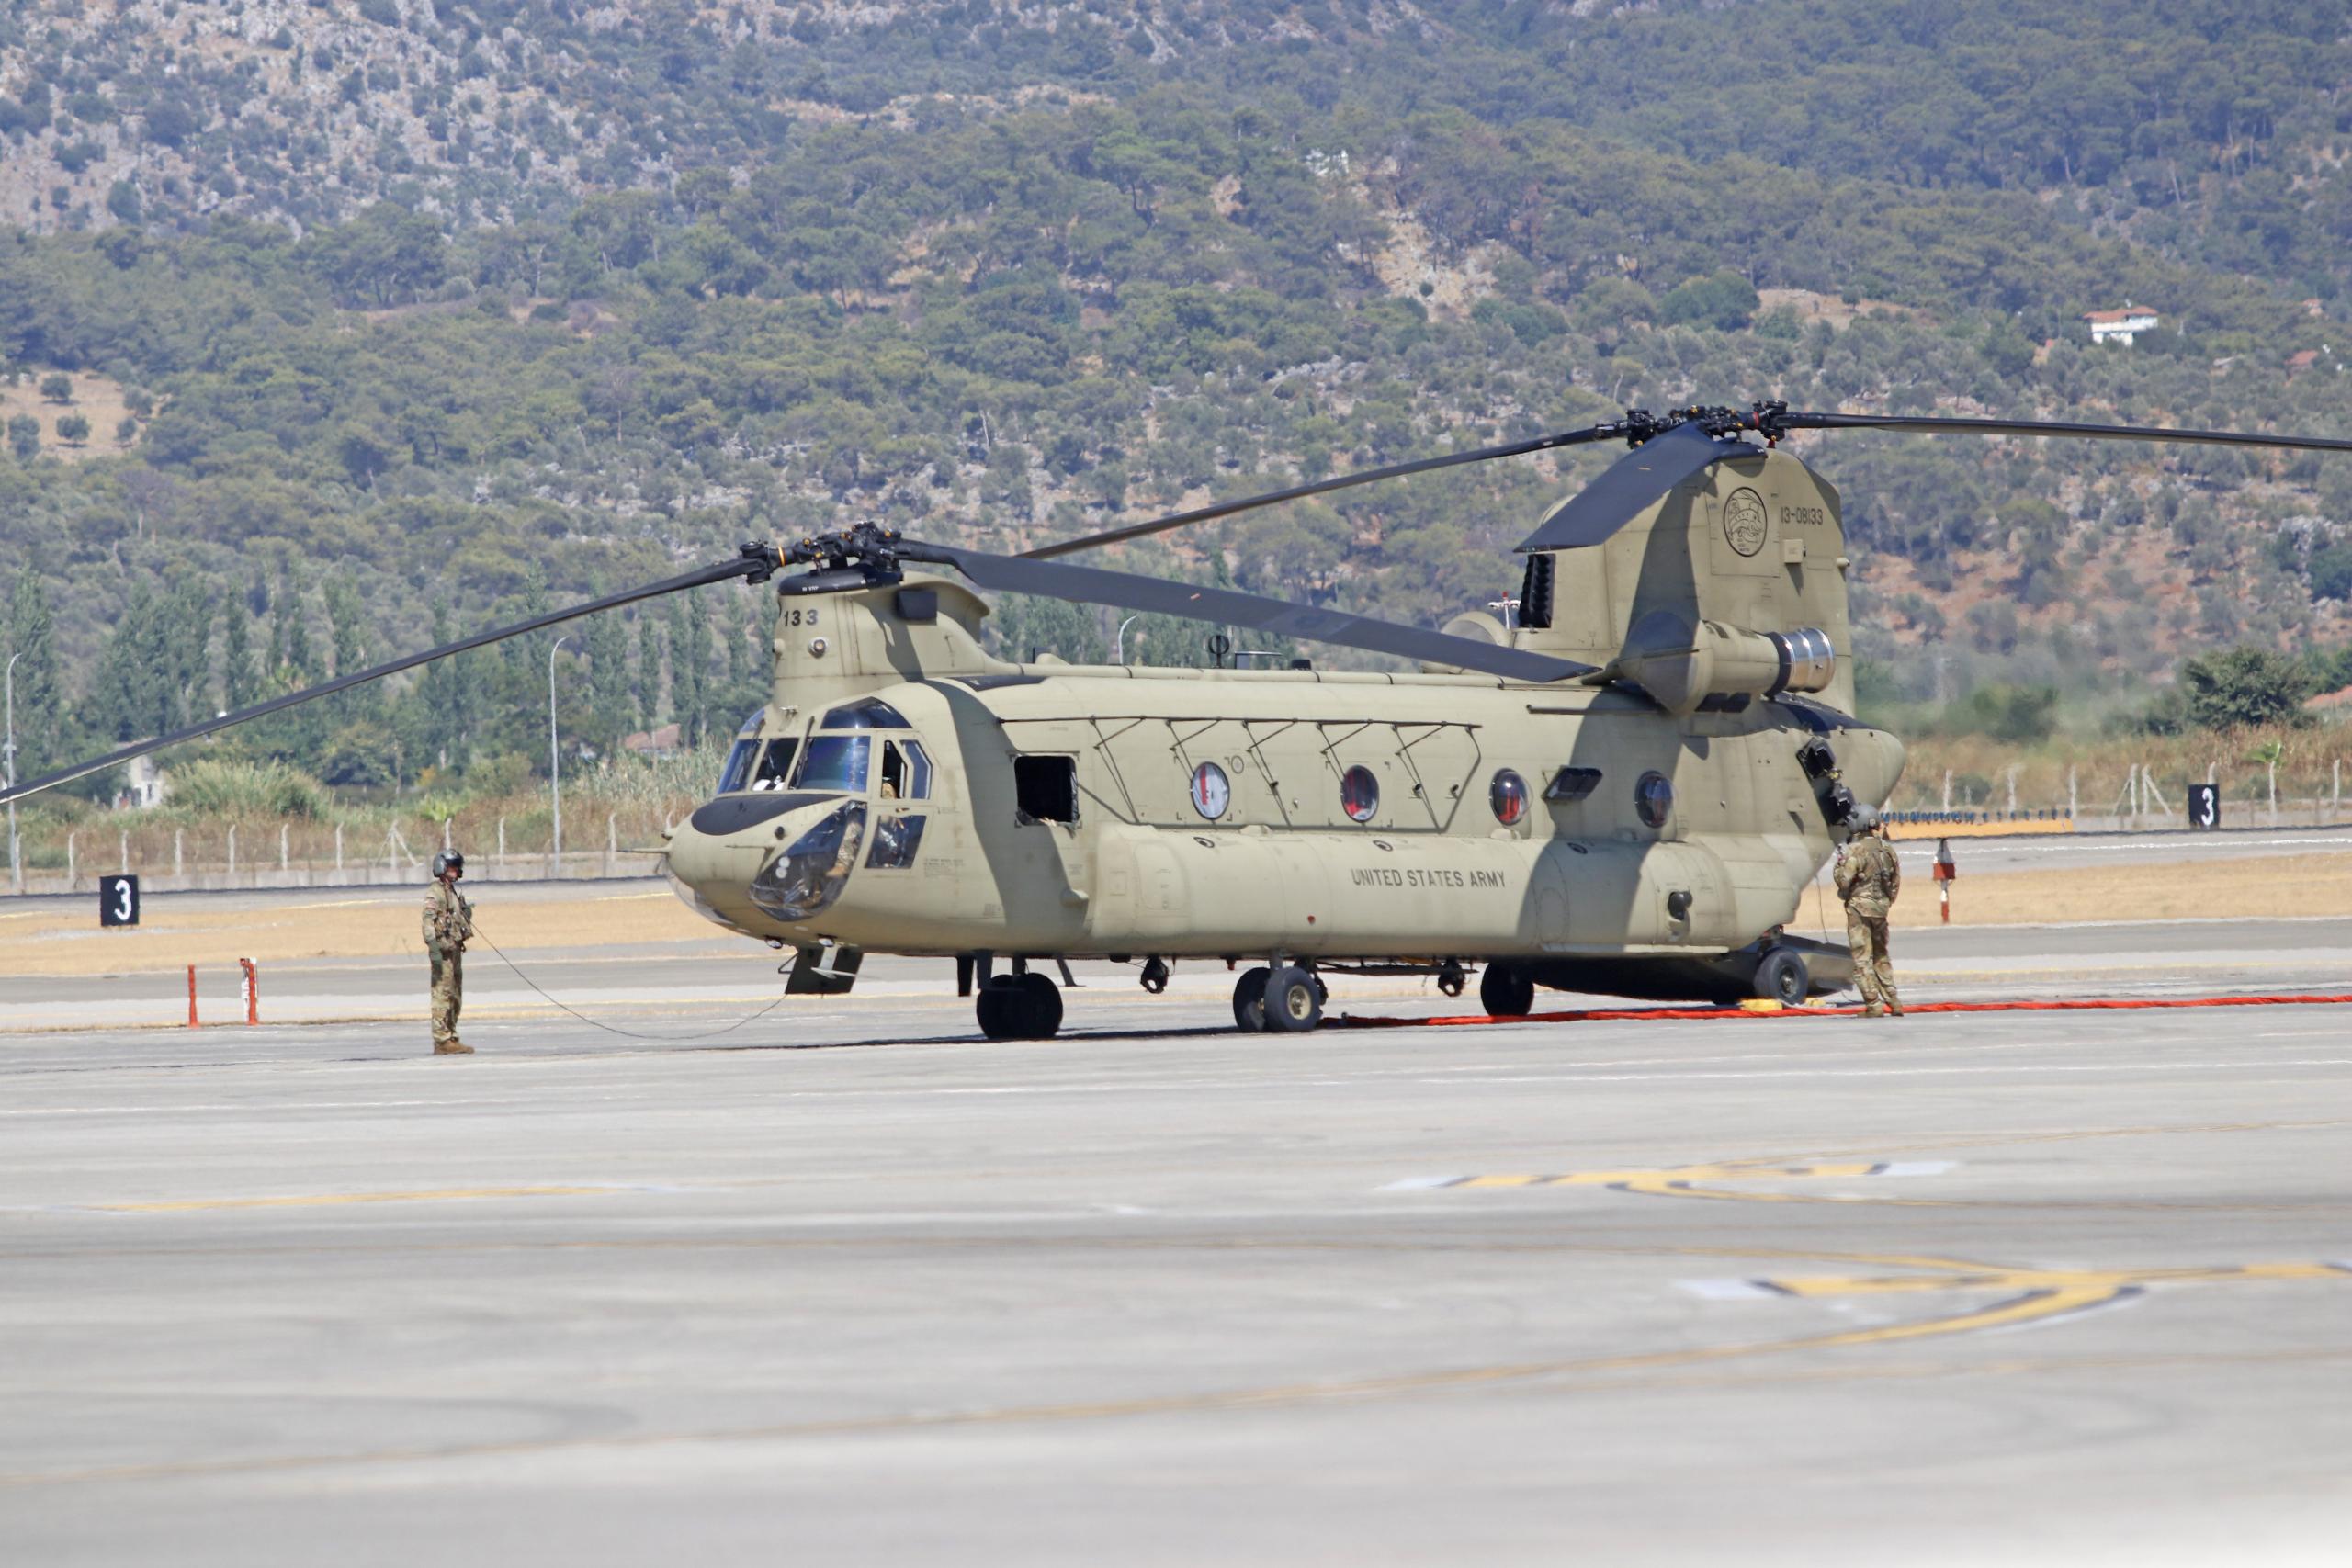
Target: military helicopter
1625, 790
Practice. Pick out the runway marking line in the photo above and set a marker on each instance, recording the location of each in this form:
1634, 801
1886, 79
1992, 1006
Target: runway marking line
1713, 1014
325, 1200
2053, 1294
1682, 1181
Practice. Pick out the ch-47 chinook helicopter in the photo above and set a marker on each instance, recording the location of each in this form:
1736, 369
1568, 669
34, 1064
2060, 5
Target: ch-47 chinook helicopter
1626, 790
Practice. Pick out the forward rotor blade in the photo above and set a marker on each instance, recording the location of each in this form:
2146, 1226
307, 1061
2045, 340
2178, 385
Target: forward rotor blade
1906, 424
1323, 487
1633, 482
1224, 606
746, 567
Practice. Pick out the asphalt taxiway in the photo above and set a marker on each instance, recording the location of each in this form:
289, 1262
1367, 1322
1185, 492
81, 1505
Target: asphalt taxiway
851, 1284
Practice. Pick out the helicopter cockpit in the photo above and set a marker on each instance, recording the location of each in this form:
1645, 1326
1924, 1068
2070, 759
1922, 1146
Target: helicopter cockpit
840, 759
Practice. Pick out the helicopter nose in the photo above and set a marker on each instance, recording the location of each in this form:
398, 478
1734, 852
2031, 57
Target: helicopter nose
750, 860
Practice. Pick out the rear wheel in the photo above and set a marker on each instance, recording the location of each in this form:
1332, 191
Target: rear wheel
1041, 1008
1293, 1001
1782, 977
1249, 1000
1506, 990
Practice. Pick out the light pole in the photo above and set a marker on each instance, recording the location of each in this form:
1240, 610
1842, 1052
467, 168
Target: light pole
9, 750
1123, 639
555, 760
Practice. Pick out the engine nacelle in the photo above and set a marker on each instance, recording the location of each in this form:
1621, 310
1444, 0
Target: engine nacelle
1692, 669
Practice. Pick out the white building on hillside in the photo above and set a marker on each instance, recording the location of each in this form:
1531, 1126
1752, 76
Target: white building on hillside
2127, 323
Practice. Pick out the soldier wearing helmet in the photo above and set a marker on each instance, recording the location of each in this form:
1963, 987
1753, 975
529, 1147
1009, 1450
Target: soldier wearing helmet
448, 925
1869, 878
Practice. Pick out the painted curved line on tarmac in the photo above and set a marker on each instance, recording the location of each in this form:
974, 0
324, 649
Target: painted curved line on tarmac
2036, 1306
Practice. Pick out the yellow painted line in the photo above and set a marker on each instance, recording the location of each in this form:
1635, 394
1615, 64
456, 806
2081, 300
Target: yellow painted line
1678, 1181
325, 1200
2052, 1280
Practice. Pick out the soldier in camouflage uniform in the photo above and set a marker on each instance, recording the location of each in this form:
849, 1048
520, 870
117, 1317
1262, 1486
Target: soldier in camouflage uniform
448, 925
1869, 878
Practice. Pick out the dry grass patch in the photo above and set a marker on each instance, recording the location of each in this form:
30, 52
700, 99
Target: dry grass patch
98, 399
2265, 887
328, 923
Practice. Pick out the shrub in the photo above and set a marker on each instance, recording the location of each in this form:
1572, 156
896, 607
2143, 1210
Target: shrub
216, 788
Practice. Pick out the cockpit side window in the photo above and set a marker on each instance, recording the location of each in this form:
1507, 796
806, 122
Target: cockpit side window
737, 773
906, 771
867, 713
837, 763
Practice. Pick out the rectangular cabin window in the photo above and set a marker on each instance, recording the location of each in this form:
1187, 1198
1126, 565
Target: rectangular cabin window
1046, 788
1572, 784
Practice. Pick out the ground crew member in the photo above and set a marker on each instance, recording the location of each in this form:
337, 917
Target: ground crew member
448, 926
1869, 878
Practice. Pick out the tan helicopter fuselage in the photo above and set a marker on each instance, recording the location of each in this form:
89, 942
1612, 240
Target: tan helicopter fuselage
1062, 813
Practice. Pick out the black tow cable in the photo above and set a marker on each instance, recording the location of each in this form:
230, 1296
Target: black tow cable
614, 1029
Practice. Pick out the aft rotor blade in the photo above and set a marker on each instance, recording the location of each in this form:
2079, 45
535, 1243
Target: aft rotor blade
748, 565
1324, 487
1224, 606
1637, 479
1907, 424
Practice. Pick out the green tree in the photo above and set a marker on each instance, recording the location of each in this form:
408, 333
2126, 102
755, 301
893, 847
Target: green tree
74, 429
57, 387
2245, 686
24, 438
42, 723
239, 683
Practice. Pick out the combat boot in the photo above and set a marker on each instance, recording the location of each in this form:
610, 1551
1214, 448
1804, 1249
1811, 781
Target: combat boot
1873, 1011
452, 1047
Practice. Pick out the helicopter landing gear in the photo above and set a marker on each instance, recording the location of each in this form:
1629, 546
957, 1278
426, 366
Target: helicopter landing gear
1020, 1007
1249, 999
1155, 975
1506, 990
1783, 976
1292, 1002
1450, 977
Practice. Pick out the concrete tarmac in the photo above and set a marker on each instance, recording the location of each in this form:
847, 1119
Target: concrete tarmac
851, 1284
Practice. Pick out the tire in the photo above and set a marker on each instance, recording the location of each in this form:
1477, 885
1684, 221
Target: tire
1249, 1000
1293, 1001
1041, 1006
1782, 977
998, 1006
1506, 990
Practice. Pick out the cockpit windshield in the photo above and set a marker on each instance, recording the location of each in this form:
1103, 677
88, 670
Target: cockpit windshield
837, 763
737, 773
756, 764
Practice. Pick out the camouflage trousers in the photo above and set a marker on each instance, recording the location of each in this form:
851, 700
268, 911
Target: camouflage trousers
1873, 964
449, 994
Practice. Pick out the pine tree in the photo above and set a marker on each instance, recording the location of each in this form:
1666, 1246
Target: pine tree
239, 683
608, 681
41, 721
185, 655
696, 662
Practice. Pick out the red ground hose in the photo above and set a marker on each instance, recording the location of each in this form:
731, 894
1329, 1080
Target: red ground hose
1611, 1015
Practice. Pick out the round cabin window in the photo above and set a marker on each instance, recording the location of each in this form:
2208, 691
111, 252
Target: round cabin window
1508, 796
1654, 798
1212, 791
1359, 794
